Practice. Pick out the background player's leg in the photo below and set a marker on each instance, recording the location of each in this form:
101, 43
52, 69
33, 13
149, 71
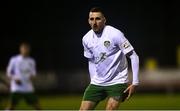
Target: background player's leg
32, 100
10, 107
87, 105
14, 100
37, 106
112, 104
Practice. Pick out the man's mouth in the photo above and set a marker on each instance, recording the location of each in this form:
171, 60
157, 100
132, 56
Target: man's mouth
95, 26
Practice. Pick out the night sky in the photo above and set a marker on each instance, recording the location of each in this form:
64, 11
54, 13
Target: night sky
55, 29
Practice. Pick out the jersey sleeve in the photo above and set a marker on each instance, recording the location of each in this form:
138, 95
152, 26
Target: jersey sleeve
34, 68
10, 68
123, 43
87, 52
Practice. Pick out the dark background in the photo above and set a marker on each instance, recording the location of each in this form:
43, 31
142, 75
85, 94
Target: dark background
55, 29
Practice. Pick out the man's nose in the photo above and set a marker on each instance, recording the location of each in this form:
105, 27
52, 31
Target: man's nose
94, 22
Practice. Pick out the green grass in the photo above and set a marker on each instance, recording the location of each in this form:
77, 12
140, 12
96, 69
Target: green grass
137, 102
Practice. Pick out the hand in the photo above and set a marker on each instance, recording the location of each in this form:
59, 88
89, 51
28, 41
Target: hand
18, 82
32, 78
130, 90
7, 85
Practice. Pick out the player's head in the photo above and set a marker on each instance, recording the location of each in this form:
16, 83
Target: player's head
24, 49
96, 19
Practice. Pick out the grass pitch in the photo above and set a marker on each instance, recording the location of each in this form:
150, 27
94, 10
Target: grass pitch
137, 102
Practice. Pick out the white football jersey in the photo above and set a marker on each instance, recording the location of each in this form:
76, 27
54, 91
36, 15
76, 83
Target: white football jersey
106, 55
21, 68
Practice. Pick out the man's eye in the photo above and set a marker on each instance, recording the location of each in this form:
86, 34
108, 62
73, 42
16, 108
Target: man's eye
98, 18
91, 19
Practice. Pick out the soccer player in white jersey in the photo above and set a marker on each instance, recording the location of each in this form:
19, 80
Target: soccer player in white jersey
21, 71
106, 49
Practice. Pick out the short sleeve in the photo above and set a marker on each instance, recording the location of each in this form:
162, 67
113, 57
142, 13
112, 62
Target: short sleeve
11, 67
123, 43
87, 52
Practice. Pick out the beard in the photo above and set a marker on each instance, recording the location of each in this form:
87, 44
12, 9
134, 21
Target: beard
97, 29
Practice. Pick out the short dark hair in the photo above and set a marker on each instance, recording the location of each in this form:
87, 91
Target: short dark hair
97, 9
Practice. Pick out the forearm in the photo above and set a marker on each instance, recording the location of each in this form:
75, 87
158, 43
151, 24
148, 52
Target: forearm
9, 76
32, 77
135, 67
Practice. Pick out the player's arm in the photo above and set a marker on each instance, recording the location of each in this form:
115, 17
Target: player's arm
130, 53
33, 71
135, 66
10, 69
135, 71
87, 52
10, 72
128, 50
32, 77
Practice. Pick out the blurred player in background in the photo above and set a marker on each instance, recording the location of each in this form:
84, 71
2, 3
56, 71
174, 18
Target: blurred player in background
21, 72
106, 49
6, 84
3, 81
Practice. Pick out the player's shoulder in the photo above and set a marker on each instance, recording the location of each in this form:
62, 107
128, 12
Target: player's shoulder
88, 35
113, 30
15, 57
114, 33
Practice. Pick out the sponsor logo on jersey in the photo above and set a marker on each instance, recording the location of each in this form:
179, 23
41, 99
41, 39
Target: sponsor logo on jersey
126, 45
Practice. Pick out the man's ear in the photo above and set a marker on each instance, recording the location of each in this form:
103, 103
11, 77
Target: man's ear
88, 21
104, 20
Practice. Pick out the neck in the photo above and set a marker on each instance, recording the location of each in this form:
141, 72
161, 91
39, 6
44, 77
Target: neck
24, 56
99, 33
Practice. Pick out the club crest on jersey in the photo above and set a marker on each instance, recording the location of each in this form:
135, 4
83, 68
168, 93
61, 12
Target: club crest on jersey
106, 44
